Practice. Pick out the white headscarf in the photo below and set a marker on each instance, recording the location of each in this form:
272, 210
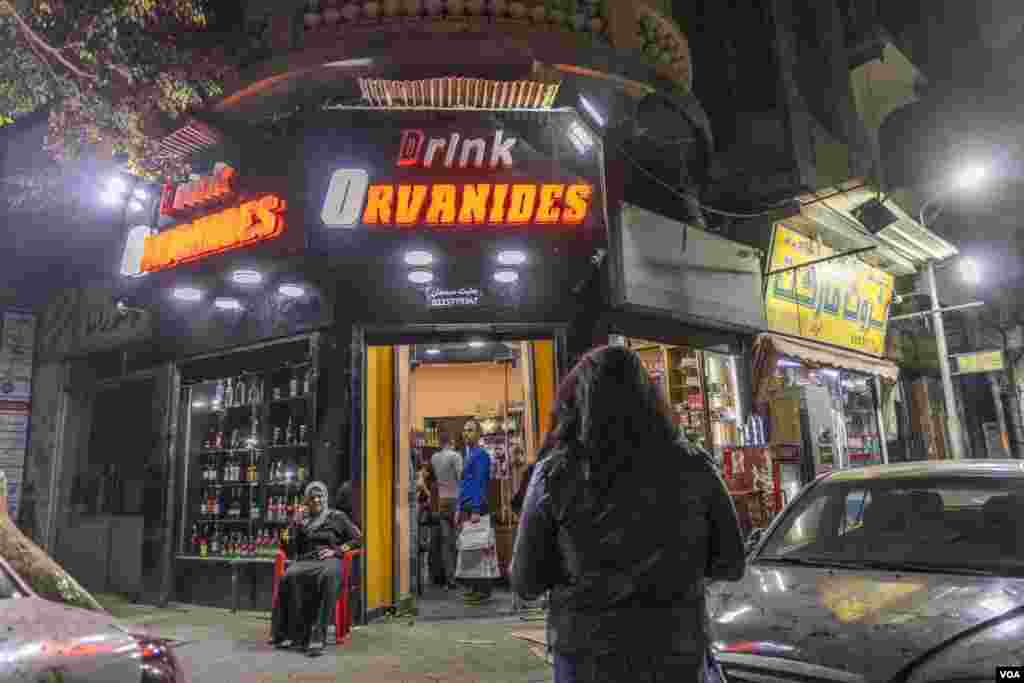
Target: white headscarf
316, 522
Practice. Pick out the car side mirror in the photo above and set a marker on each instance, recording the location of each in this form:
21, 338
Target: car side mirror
753, 538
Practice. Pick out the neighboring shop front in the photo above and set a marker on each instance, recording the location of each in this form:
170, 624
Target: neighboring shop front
688, 302
819, 375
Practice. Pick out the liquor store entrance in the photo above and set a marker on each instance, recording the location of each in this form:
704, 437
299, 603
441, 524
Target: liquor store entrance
420, 395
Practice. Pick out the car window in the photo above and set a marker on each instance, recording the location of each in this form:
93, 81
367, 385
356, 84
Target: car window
957, 523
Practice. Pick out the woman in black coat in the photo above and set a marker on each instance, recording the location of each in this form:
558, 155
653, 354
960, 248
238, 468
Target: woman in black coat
309, 588
625, 527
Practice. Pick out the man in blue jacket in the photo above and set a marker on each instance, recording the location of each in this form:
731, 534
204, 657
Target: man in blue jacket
476, 567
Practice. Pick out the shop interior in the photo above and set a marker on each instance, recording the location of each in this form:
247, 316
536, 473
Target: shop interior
703, 391
440, 386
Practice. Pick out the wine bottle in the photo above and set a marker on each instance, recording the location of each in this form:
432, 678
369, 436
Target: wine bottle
229, 394
293, 385
305, 382
290, 430
240, 394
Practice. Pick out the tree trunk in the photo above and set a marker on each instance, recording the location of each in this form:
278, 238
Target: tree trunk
32, 564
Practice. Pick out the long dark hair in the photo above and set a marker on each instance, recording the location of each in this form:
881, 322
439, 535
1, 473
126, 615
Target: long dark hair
608, 413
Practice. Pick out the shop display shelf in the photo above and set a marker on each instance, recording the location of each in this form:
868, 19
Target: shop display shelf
287, 445
246, 559
219, 520
289, 399
228, 451
228, 484
287, 483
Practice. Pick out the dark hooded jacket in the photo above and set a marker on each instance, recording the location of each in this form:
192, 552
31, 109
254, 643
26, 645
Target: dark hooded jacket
627, 567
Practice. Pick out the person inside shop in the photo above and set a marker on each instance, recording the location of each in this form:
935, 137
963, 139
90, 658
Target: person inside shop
446, 465
477, 564
623, 531
309, 588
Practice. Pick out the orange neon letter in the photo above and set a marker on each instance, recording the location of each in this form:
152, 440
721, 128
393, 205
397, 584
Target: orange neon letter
378, 205
442, 205
548, 210
520, 209
410, 202
577, 202
474, 203
498, 204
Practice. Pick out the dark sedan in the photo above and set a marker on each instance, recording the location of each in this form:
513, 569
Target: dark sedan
911, 572
43, 641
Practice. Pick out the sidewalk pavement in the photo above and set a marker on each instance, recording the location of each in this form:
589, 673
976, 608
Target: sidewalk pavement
218, 646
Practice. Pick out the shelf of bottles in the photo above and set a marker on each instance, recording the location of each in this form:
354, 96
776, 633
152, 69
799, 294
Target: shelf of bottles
250, 457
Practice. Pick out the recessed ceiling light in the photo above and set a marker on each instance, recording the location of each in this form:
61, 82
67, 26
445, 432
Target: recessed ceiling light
227, 304
188, 294
506, 276
511, 258
421, 277
291, 291
476, 344
247, 277
433, 351
198, 404
419, 258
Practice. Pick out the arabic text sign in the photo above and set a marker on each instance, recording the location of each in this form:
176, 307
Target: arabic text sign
844, 302
979, 361
449, 298
17, 344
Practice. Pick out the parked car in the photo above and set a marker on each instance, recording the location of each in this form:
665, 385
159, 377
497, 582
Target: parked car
910, 572
44, 641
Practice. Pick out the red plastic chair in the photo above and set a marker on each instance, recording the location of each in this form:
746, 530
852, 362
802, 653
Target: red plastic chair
342, 609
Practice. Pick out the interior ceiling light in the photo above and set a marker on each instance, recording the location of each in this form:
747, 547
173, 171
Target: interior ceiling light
421, 277
506, 276
511, 258
419, 258
291, 291
198, 404
227, 304
246, 277
433, 351
188, 294
477, 344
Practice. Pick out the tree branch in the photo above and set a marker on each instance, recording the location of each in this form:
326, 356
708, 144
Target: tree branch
35, 38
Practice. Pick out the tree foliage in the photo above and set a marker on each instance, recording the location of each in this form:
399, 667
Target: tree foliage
116, 74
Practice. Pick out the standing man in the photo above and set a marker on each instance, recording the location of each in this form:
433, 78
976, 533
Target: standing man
478, 563
447, 466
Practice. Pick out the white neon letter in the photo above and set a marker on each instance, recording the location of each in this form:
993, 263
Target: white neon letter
343, 205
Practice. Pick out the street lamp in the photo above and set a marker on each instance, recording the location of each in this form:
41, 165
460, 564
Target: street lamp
967, 179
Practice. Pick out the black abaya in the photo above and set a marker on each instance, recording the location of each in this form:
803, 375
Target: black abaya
309, 588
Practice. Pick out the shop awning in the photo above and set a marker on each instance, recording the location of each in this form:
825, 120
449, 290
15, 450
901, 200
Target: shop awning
768, 348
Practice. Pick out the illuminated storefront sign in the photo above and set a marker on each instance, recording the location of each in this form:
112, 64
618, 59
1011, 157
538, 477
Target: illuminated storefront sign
351, 199
451, 298
843, 302
178, 199
253, 221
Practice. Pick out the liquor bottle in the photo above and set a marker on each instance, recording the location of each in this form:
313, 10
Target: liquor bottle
218, 440
218, 395
204, 547
215, 543
254, 392
303, 434
203, 505
193, 542
290, 435
218, 507
293, 385
229, 394
301, 474
252, 471
236, 506
277, 437
240, 394
254, 509
305, 382
290, 470
254, 433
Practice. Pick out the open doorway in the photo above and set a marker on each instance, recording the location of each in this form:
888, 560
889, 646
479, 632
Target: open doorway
504, 387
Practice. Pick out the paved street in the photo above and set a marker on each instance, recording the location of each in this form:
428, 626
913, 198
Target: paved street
222, 647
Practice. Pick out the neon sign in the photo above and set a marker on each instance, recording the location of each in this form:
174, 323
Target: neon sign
253, 221
177, 199
413, 152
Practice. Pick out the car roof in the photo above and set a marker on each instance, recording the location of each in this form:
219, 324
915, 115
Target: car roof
932, 470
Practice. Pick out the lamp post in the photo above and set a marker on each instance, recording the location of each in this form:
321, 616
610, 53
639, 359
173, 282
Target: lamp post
968, 179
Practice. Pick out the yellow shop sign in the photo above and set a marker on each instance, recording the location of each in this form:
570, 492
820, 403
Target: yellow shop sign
844, 302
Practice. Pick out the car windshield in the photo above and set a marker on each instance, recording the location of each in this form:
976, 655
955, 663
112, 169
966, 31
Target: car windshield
957, 525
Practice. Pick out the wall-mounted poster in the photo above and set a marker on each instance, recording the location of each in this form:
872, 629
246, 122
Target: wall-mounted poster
17, 344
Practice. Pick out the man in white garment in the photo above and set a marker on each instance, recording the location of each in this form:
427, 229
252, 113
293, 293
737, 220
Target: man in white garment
447, 466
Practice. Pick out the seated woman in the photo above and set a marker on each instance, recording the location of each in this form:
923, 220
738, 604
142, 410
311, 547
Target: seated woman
309, 589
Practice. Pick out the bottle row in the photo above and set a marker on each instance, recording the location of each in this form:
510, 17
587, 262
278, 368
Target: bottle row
234, 504
250, 390
207, 541
234, 470
294, 433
